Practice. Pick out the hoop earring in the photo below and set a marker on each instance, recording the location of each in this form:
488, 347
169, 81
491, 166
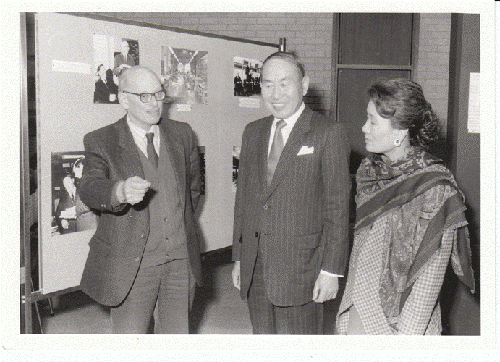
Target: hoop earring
397, 142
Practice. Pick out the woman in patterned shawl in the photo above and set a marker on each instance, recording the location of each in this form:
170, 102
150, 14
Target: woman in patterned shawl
409, 220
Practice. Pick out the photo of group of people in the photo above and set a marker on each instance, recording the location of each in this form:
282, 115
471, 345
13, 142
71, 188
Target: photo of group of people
69, 213
110, 60
246, 77
184, 75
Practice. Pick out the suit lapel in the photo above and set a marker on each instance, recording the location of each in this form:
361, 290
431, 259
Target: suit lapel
292, 147
129, 151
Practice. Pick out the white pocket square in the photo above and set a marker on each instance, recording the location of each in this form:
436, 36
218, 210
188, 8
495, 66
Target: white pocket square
305, 150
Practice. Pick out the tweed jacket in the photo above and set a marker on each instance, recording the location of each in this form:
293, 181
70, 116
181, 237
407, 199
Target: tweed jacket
299, 223
118, 244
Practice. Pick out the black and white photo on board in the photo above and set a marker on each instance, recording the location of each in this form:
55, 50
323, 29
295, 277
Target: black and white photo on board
184, 74
111, 57
246, 77
69, 213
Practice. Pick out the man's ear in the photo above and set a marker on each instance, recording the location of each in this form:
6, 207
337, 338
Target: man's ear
122, 98
305, 85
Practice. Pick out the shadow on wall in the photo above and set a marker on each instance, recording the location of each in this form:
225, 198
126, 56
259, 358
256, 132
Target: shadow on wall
314, 99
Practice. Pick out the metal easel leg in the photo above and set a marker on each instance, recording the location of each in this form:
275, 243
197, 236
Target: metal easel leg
38, 312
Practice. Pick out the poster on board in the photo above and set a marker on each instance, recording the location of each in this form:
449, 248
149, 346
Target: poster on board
184, 73
69, 213
236, 166
110, 60
246, 77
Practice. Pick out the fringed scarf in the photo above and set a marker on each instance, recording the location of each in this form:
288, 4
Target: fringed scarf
383, 186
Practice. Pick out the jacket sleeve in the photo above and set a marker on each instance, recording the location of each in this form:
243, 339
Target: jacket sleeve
336, 186
95, 187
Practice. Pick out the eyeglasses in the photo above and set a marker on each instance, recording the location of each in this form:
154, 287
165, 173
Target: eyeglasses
146, 97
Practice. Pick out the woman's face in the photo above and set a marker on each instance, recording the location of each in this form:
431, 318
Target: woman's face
379, 133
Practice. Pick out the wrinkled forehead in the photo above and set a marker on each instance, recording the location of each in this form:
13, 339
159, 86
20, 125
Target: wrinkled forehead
282, 68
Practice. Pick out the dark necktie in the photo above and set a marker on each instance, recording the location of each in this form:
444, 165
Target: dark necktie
152, 155
275, 152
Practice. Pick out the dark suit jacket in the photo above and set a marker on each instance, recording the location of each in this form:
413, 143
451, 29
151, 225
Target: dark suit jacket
301, 220
101, 92
122, 59
65, 202
118, 244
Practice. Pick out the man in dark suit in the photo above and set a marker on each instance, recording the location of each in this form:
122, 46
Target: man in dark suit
123, 60
143, 175
290, 240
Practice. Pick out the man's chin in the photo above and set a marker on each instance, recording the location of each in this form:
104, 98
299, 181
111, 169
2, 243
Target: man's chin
154, 120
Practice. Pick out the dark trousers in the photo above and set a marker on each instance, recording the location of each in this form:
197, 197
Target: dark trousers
169, 287
267, 318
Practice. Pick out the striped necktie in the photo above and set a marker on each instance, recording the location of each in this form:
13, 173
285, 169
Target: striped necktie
275, 152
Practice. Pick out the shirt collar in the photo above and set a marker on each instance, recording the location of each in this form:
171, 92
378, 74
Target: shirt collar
290, 121
141, 133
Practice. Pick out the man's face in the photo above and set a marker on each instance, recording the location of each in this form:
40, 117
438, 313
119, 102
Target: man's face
142, 114
282, 87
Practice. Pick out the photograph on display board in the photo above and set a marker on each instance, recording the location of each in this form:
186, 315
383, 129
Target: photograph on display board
236, 165
201, 151
69, 213
105, 83
246, 77
184, 74
126, 57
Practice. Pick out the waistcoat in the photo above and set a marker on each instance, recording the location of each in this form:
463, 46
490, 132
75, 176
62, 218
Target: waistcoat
167, 234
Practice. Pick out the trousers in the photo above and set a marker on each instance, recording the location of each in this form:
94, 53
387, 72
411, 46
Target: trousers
267, 318
169, 287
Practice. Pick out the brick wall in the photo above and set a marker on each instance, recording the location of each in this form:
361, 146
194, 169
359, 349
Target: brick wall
310, 36
432, 71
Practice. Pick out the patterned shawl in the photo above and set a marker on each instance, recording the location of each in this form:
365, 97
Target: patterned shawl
383, 186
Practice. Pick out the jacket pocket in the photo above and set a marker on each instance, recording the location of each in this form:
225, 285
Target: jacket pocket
310, 241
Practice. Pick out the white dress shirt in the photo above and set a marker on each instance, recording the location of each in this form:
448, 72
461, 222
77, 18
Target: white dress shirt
140, 139
285, 131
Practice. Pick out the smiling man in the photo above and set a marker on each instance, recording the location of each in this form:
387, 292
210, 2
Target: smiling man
142, 174
290, 240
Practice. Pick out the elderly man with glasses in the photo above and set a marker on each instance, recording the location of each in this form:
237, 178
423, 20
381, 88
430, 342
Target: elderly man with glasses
142, 173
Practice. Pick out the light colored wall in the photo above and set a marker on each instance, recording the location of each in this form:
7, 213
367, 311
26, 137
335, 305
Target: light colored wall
310, 35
